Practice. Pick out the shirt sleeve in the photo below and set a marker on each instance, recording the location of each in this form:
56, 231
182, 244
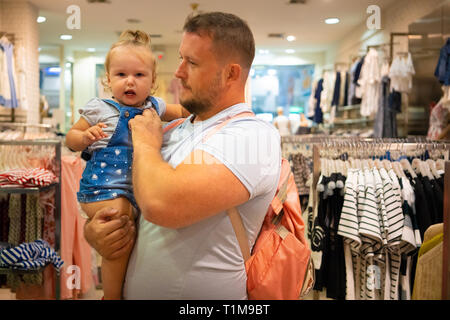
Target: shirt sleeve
91, 111
161, 106
251, 151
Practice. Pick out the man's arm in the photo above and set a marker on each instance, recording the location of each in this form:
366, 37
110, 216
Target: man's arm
197, 189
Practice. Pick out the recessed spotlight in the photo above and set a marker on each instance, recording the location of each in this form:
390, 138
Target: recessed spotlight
41, 19
290, 38
90, 49
65, 37
289, 50
132, 20
332, 20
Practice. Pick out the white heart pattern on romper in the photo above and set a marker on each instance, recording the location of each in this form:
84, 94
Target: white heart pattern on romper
96, 191
103, 164
117, 151
114, 194
119, 171
94, 177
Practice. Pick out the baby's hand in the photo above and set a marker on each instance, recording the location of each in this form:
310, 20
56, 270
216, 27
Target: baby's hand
94, 133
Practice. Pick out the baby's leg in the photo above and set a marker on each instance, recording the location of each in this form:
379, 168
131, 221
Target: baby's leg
113, 271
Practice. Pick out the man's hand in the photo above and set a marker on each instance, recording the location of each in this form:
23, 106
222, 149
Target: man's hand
146, 129
110, 236
94, 133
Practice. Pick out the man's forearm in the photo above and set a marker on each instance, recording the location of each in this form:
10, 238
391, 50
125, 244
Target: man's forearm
152, 185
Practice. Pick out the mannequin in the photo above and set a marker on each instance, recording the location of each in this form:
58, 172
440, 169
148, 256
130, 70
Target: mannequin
282, 123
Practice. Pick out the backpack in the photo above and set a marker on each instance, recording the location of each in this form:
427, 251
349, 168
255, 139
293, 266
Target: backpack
280, 265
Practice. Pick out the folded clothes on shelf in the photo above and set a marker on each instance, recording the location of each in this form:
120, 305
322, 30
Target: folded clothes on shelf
36, 177
29, 256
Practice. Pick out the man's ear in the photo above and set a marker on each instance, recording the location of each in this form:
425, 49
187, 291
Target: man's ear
234, 72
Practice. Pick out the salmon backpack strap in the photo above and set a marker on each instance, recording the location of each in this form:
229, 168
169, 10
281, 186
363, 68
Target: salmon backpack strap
173, 124
239, 230
221, 125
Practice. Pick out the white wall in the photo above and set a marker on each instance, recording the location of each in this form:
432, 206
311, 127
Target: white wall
84, 82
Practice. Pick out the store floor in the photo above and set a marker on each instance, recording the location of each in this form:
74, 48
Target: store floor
93, 294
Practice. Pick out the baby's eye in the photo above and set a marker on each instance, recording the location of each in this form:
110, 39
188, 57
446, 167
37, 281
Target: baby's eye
139, 74
121, 74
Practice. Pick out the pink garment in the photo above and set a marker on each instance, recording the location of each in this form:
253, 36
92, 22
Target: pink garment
74, 248
438, 120
175, 89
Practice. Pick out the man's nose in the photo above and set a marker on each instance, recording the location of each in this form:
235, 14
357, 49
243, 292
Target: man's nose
180, 72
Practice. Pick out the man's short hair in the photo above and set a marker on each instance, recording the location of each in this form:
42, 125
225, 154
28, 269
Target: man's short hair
229, 34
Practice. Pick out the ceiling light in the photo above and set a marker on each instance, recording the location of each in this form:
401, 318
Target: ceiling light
290, 38
90, 49
332, 20
65, 37
41, 19
290, 51
68, 65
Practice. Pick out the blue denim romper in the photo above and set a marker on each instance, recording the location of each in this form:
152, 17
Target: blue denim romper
108, 173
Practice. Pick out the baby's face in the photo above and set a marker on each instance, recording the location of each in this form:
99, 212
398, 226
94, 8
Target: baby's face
130, 75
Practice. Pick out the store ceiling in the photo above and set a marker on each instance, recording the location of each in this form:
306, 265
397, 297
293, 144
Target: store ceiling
100, 22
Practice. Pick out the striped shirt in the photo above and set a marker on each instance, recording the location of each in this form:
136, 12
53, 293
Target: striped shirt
30, 256
36, 177
349, 229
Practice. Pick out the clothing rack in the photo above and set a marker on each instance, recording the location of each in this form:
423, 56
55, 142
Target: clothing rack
327, 144
57, 185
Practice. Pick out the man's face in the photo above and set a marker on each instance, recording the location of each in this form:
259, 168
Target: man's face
199, 72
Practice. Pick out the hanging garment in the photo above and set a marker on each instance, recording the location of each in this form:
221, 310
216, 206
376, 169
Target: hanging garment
401, 72
337, 90
370, 84
442, 71
438, 120
356, 77
74, 248
346, 89
302, 171
318, 114
8, 94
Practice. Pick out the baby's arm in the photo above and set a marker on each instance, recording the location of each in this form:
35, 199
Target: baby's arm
82, 134
174, 111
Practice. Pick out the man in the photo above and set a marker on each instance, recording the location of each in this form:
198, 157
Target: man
186, 246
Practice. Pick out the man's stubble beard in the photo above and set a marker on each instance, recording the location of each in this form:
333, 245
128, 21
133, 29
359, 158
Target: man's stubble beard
199, 105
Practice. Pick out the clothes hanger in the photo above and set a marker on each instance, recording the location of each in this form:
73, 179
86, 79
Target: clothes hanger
407, 166
416, 165
432, 166
440, 164
425, 170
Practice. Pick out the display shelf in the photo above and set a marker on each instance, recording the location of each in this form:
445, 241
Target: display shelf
27, 189
19, 271
56, 185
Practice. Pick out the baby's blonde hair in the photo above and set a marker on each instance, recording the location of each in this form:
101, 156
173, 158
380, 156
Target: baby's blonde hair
132, 38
